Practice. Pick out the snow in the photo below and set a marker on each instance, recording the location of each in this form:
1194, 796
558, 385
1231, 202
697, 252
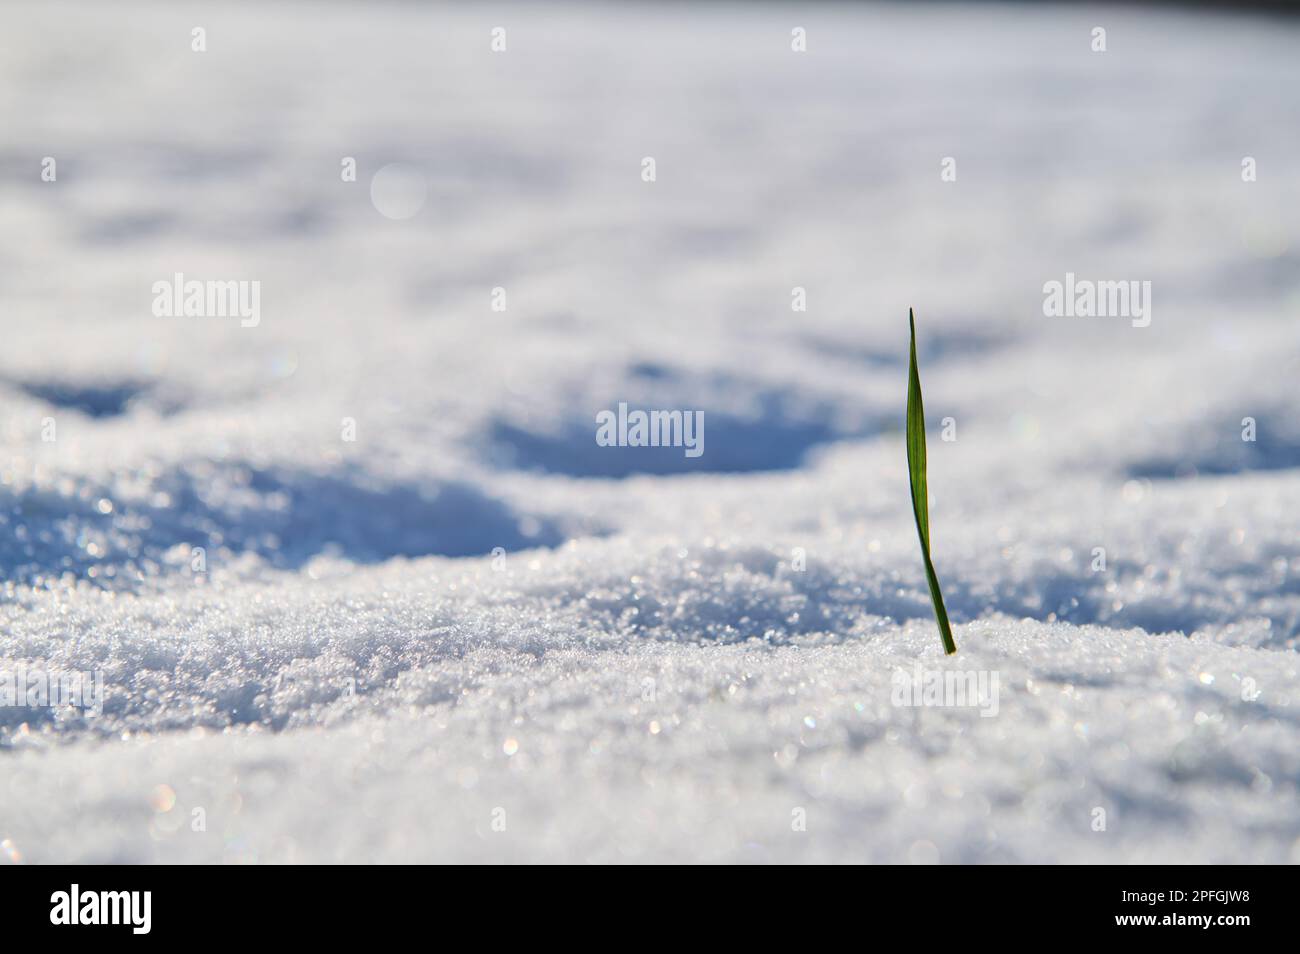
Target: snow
474, 617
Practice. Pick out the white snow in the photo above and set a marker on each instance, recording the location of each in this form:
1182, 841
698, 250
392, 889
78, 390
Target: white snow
642, 673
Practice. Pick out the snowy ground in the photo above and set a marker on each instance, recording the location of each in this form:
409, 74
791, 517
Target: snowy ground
643, 673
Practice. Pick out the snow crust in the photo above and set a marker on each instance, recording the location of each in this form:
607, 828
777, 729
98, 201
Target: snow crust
473, 617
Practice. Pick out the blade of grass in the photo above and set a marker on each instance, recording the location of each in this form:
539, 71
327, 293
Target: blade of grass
920, 495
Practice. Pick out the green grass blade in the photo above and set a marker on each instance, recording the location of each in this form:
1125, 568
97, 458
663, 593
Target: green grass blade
920, 495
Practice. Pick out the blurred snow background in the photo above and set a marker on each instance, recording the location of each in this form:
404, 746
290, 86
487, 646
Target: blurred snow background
641, 673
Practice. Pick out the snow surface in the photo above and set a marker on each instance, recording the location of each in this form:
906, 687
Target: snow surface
642, 673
